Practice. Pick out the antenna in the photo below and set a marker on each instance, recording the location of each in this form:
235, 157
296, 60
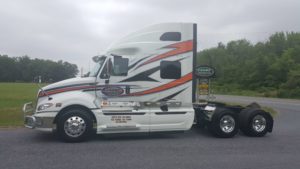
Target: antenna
38, 84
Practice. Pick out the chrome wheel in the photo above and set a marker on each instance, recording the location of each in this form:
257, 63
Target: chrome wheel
259, 123
74, 126
227, 124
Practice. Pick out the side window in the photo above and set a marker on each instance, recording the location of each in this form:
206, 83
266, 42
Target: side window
120, 67
170, 69
171, 36
106, 70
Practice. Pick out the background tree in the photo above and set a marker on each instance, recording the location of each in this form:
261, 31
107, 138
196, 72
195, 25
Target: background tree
271, 68
25, 69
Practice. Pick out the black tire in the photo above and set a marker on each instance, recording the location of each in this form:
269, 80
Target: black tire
81, 122
255, 122
215, 126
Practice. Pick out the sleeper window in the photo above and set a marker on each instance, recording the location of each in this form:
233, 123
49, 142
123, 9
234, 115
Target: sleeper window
170, 69
171, 36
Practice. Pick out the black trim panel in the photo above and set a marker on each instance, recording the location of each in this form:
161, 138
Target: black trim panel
194, 83
46, 112
168, 112
94, 108
118, 114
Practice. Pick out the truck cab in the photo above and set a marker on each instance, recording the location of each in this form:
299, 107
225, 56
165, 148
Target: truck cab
142, 83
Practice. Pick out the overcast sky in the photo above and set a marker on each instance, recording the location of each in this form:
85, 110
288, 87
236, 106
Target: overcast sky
76, 30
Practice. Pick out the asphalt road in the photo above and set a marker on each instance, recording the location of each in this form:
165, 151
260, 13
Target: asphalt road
195, 149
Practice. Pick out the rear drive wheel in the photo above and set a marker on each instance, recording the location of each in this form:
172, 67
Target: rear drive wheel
255, 122
224, 123
74, 125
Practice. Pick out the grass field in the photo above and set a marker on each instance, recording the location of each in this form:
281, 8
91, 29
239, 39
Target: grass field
12, 98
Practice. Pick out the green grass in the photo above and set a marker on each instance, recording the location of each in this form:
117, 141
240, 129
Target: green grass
12, 98
234, 89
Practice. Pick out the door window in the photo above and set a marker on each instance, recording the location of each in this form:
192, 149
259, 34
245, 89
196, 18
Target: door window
119, 67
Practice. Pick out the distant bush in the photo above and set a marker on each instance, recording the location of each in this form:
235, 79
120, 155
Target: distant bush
25, 69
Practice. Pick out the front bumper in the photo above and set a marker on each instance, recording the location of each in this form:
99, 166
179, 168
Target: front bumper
40, 121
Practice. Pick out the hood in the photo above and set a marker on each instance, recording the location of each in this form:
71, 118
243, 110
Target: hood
71, 82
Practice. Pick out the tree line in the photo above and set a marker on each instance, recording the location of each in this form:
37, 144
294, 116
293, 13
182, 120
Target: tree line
271, 68
25, 69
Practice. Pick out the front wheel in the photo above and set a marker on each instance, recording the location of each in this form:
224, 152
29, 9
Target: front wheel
74, 125
224, 123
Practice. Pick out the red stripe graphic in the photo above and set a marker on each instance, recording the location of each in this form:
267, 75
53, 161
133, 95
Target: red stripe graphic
186, 78
179, 48
41, 94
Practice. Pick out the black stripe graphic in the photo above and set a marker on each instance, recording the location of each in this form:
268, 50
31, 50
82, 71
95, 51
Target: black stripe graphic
73, 85
144, 76
133, 65
171, 96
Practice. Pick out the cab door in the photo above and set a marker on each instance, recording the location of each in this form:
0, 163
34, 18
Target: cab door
173, 111
118, 112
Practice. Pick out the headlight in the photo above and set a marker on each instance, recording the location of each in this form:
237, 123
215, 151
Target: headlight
44, 106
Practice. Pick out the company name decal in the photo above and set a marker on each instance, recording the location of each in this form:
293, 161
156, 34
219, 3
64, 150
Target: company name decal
112, 91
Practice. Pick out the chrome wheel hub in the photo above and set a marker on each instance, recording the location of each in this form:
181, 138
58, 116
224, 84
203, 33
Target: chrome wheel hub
74, 126
227, 124
259, 123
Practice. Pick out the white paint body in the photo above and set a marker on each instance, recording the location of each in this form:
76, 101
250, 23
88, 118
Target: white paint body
139, 109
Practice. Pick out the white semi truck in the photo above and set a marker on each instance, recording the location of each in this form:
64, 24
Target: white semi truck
143, 83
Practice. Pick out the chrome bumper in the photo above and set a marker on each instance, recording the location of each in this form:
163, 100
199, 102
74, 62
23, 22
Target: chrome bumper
29, 119
39, 121
29, 122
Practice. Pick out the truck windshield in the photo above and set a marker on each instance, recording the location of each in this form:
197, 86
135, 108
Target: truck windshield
98, 63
